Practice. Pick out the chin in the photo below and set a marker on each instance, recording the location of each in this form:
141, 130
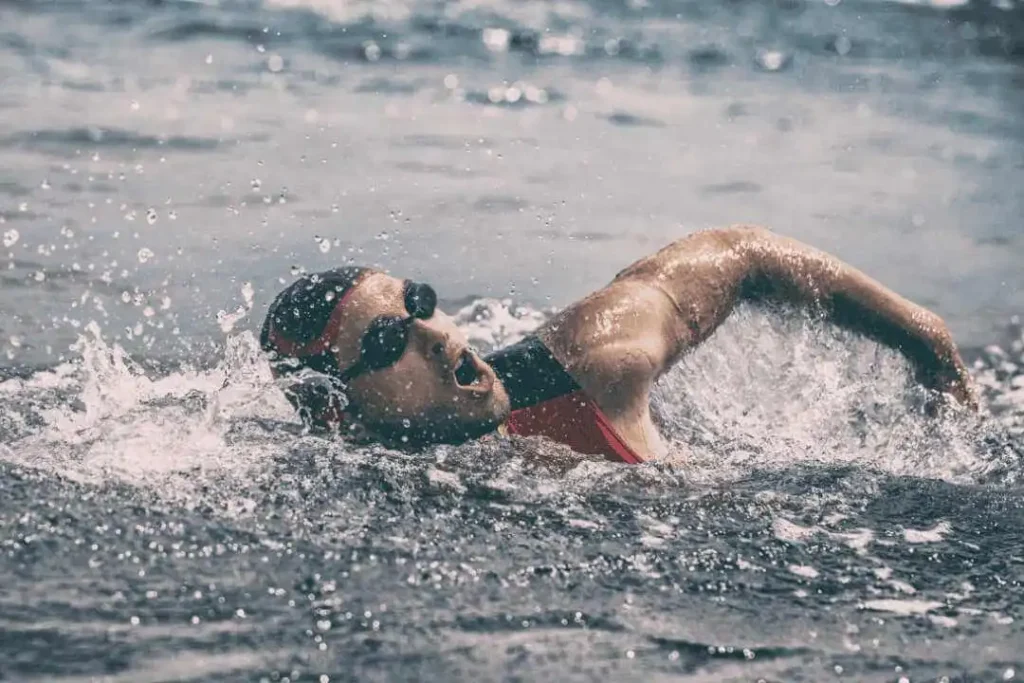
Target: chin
428, 431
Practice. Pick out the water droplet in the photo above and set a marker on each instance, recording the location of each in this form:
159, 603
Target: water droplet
134, 621
372, 51
496, 39
323, 243
771, 60
248, 293
151, 216
135, 105
172, 215
240, 613
145, 254
209, 59
40, 276
256, 184
11, 237
275, 63
45, 185
324, 625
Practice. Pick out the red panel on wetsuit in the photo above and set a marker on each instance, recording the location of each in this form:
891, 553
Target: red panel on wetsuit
576, 421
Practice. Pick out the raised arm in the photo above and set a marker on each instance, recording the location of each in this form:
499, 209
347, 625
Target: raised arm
680, 294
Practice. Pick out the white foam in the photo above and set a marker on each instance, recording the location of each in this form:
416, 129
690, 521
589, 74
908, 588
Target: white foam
803, 570
901, 607
933, 535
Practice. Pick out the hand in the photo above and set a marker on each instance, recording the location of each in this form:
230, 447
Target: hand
948, 374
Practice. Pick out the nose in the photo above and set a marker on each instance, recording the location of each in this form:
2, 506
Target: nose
433, 338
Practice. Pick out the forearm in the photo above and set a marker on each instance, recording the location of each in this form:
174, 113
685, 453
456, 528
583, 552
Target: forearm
783, 268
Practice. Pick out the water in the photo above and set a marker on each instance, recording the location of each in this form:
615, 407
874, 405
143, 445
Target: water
168, 167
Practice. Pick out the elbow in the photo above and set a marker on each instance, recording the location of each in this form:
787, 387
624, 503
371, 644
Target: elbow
746, 236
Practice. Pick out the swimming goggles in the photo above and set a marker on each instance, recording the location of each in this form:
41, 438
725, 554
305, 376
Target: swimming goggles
385, 339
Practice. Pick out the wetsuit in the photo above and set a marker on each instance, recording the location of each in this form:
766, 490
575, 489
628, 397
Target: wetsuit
546, 401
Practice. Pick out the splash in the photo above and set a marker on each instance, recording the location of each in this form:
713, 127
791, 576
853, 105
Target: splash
770, 390
776, 388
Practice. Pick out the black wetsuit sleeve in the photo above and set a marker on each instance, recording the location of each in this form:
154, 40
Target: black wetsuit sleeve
530, 373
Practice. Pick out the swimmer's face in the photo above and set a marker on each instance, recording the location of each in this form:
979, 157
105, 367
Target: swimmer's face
438, 391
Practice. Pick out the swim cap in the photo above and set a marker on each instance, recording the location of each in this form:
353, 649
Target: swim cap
300, 326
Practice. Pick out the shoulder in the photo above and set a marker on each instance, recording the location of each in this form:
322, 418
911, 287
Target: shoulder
609, 341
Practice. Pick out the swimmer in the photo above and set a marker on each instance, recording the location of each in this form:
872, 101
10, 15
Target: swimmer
373, 358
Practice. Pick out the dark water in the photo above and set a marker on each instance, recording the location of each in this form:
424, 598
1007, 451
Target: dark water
168, 166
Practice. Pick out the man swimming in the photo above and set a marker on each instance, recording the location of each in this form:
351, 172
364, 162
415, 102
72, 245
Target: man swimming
374, 358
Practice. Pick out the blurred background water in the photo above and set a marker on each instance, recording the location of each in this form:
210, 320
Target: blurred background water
167, 167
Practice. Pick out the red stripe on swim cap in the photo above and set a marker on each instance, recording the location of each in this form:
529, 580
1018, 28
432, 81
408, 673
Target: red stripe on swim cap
287, 347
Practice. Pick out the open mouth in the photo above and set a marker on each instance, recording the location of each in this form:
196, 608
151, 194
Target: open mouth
466, 373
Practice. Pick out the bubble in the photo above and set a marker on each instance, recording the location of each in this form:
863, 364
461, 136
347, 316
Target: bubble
40, 276
275, 63
11, 237
324, 625
145, 254
451, 81
134, 621
240, 613
151, 216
